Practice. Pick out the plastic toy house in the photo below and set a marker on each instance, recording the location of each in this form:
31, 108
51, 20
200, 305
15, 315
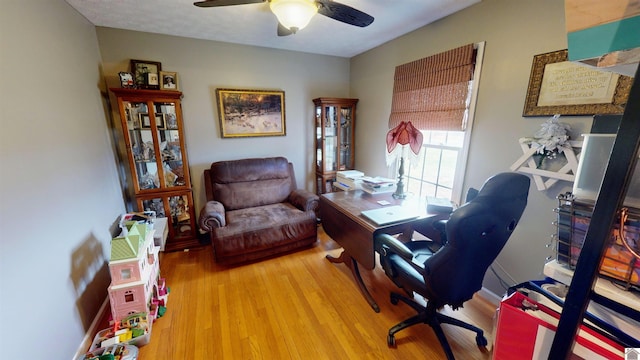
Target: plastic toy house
134, 269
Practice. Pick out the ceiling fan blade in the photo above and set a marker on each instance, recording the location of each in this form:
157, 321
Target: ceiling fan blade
343, 13
214, 3
283, 31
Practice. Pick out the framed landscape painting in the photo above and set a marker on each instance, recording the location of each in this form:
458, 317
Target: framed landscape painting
249, 113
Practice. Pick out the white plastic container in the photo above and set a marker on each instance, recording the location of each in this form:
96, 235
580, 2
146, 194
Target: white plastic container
596, 150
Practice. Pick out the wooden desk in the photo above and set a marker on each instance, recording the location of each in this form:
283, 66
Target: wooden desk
341, 220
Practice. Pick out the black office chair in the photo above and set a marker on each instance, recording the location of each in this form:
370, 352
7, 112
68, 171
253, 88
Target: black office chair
476, 232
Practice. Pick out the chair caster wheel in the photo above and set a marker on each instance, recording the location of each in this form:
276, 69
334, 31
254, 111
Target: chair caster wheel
481, 341
391, 341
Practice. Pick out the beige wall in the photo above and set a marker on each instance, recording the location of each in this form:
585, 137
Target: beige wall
514, 31
203, 66
58, 180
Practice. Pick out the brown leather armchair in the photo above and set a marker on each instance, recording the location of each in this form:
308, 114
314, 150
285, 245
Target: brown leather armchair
254, 210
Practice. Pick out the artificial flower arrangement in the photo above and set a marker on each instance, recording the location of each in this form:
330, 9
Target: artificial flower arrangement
550, 140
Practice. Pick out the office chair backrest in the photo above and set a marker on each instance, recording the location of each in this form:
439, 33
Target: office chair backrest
476, 233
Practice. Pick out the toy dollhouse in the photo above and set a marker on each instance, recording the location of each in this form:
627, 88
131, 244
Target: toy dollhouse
136, 286
136, 293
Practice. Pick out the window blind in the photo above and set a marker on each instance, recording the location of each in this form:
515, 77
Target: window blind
433, 93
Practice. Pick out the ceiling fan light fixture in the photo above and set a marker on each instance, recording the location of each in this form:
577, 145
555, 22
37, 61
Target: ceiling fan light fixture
294, 14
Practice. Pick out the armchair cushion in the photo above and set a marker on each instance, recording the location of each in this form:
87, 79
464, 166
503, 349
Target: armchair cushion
251, 182
265, 228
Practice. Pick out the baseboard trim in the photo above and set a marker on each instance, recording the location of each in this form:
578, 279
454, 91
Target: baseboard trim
489, 296
93, 329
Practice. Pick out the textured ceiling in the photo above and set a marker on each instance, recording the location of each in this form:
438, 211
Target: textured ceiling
254, 24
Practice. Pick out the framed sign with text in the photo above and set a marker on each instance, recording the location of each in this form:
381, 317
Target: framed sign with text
559, 86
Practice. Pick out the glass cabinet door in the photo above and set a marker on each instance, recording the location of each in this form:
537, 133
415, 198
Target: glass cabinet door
346, 135
319, 157
176, 207
330, 138
169, 144
141, 145
181, 220
155, 145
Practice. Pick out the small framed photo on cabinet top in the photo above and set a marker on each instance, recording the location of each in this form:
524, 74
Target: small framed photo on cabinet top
168, 80
141, 70
152, 79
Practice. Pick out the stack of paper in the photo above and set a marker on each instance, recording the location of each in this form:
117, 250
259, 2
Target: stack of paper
378, 185
349, 180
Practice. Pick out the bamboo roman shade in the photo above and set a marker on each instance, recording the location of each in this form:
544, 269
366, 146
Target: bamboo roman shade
433, 93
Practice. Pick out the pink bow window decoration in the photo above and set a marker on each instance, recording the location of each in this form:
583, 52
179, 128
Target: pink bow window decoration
403, 134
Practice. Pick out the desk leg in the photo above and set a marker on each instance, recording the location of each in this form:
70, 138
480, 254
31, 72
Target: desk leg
353, 266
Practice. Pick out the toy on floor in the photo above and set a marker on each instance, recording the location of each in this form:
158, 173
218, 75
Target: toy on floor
113, 352
134, 330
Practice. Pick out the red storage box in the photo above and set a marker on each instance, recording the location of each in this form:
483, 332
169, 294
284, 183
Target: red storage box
525, 330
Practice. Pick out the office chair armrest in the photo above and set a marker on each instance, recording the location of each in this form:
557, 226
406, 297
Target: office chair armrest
385, 243
441, 227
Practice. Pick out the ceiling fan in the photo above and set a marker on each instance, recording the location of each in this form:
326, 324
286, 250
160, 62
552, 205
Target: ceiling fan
293, 15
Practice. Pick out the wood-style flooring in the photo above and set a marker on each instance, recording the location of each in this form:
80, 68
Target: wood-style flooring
296, 306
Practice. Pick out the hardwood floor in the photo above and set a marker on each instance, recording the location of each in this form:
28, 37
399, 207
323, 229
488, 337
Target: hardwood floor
297, 306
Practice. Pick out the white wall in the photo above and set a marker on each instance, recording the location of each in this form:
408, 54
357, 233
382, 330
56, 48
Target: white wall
59, 187
514, 31
203, 66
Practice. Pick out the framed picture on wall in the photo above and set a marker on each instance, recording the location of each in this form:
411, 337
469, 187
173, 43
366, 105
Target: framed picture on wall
247, 113
559, 86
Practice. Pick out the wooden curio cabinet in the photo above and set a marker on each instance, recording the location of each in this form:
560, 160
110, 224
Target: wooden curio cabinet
335, 121
152, 150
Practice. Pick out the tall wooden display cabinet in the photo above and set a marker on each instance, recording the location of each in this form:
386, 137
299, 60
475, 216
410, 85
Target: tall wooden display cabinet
151, 144
335, 121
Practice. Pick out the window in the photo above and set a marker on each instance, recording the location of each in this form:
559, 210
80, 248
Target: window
125, 274
128, 296
433, 173
438, 94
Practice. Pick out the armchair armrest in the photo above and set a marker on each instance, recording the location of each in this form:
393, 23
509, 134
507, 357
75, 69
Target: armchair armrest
212, 216
304, 200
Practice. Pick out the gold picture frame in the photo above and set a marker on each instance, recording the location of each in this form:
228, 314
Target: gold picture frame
145, 121
573, 88
251, 113
160, 121
169, 80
